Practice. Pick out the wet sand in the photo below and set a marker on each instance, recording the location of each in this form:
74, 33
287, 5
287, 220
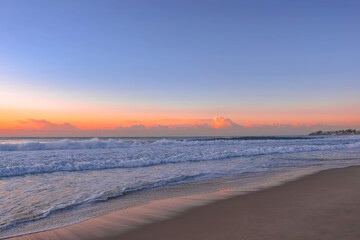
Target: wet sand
325, 205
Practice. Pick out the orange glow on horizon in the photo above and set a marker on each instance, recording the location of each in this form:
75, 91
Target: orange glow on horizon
19, 105
16, 122
112, 118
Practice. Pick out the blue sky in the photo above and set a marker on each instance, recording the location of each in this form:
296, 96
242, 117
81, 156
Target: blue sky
221, 54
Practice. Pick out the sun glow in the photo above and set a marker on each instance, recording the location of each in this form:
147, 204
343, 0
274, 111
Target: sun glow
220, 122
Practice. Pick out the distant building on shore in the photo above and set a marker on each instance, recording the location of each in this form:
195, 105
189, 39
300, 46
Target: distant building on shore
338, 132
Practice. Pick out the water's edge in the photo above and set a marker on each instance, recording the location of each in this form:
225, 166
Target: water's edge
161, 203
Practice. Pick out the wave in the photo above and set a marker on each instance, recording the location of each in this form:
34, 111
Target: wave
256, 138
98, 198
133, 155
94, 143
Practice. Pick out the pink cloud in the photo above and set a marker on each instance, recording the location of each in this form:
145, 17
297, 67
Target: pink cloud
302, 124
35, 124
220, 122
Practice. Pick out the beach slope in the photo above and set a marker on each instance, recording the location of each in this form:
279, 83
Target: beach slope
325, 205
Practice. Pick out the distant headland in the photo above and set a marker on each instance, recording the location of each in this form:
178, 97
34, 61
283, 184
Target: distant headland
338, 132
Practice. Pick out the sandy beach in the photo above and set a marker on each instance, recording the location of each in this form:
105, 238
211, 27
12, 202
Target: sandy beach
325, 205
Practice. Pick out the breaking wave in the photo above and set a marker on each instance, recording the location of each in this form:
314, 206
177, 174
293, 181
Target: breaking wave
111, 154
94, 143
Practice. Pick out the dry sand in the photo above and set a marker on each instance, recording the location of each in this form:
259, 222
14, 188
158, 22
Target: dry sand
325, 205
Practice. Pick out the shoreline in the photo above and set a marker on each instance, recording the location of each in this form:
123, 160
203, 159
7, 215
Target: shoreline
324, 205
128, 222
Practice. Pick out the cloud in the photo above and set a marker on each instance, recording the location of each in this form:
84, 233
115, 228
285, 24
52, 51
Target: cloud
35, 124
302, 125
220, 122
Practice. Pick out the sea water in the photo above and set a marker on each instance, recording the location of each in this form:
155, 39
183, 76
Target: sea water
42, 177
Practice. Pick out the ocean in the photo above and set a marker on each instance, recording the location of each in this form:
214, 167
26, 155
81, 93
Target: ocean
41, 178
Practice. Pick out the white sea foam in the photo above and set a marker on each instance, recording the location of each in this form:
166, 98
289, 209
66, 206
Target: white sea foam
98, 154
63, 144
96, 143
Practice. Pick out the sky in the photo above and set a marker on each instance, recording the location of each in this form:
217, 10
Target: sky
190, 67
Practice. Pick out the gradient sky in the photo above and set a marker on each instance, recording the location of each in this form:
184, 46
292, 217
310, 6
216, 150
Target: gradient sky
108, 64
